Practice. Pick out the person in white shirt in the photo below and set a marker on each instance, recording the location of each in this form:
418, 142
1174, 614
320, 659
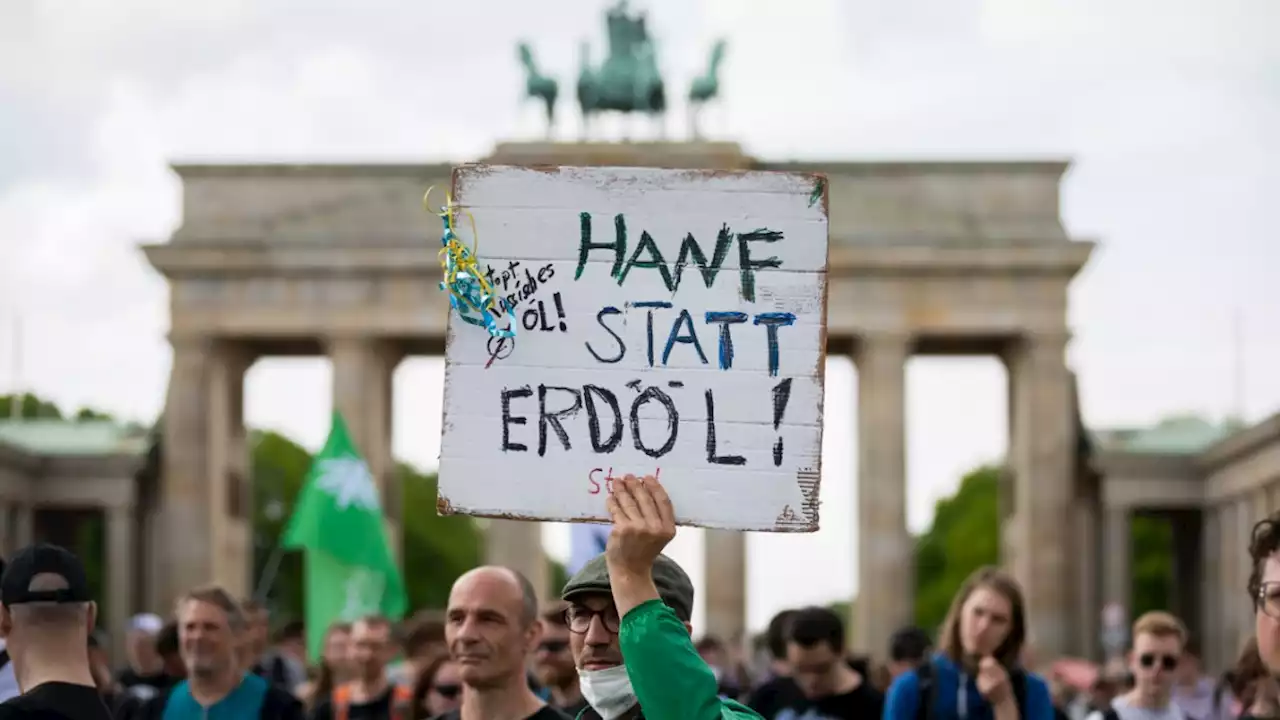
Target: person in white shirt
1198, 694
8, 681
1158, 640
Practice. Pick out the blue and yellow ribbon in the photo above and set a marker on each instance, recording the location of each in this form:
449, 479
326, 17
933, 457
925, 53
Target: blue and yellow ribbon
469, 292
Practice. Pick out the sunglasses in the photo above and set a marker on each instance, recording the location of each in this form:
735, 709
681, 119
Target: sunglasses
1150, 660
447, 692
553, 646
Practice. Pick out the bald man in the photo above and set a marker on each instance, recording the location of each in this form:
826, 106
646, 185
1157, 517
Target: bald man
492, 629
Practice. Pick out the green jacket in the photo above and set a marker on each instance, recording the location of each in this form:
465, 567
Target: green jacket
667, 674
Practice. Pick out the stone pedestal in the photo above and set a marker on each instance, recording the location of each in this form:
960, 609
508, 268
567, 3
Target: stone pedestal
886, 563
1043, 457
680, 155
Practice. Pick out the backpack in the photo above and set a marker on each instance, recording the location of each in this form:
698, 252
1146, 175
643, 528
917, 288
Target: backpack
401, 702
928, 687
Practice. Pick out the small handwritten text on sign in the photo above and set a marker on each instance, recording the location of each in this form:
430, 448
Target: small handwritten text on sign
669, 323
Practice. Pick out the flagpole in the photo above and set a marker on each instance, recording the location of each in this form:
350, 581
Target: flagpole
1237, 374
15, 404
269, 574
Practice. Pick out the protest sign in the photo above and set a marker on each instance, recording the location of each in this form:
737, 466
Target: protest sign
667, 322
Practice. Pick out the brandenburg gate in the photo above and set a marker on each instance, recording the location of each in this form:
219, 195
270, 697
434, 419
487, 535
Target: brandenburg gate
929, 258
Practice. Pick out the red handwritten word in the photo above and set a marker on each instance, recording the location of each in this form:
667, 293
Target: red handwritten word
597, 482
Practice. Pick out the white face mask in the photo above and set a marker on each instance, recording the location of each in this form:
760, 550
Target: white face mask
608, 691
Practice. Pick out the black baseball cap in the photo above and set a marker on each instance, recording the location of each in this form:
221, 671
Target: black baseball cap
42, 559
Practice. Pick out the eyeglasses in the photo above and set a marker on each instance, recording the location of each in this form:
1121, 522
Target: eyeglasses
578, 619
1150, 660
554, 646
1268, 600
447, 692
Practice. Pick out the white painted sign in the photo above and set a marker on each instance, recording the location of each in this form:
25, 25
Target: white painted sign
669, 322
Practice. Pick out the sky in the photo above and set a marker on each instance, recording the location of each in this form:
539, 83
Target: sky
1163, 108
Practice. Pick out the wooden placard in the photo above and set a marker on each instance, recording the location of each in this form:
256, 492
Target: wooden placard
669, 322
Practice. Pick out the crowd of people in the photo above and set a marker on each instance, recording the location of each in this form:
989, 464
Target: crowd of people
617, 644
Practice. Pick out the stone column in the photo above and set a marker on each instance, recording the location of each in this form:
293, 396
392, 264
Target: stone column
120, 570
1231, 525
181, 557
1044, 453
197, 542
6, 529
886, 563
1117, 559
24, 525
517, 544
363, 369
725, 569
1246, 516
228, 457
1211, 592
1087, 567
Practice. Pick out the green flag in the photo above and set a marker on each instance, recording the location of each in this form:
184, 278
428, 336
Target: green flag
350, 571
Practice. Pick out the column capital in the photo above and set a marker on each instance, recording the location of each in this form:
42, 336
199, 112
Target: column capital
883, 344
1034, 348
340, 338
1046, 341
389, 352
187, 342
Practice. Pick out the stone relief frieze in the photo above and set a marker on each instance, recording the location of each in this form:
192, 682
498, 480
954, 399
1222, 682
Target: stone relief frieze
263, 291
317, 208
198, 292
336, 292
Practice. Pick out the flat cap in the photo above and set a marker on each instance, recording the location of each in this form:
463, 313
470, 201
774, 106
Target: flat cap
674, 586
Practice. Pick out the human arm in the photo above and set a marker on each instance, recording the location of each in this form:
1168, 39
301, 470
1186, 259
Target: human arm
997, 686
669, 678
643, 524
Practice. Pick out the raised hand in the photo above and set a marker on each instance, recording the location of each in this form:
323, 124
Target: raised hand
993, 681
643, 523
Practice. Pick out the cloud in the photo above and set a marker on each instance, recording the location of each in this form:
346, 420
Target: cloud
1166, 108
